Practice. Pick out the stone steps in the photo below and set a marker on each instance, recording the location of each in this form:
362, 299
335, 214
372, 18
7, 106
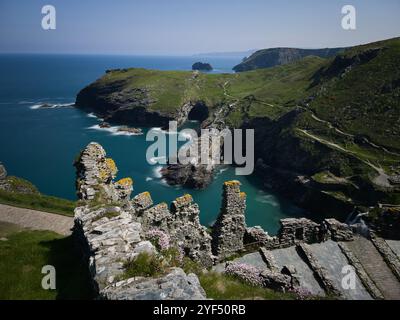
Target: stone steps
376, 267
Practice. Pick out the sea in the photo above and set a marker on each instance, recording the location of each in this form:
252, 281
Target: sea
40, 145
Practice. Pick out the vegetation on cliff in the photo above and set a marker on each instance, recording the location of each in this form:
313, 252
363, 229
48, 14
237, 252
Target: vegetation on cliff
22, 193
335, 118
268, 58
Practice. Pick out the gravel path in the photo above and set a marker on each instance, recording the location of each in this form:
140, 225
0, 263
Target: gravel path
36, 220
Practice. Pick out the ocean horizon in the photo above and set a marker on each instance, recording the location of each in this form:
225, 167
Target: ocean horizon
40, 145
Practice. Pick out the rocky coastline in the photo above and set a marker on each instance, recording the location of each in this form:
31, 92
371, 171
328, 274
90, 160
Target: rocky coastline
299, 154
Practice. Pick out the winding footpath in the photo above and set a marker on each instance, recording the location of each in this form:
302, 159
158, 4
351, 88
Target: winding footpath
36, 220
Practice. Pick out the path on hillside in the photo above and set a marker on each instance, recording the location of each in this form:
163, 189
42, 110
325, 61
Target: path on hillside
36, 220
382, 179
376, 267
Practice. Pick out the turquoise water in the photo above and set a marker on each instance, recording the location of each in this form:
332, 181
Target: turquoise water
41, 144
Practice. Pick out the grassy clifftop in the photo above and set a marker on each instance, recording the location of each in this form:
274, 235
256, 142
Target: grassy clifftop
334, 117
165, 92
268, 58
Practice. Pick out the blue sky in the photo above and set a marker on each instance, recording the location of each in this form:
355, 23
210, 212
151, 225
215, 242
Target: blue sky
179, 27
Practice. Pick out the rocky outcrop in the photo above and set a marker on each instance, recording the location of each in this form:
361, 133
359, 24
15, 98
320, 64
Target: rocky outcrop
95, 173
188, 175
114, 102
202, 66
229, 229
199, 172
176, 285
110, 237
112, 231
3, 176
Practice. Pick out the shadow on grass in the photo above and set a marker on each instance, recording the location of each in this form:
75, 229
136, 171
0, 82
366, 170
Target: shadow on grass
72, 273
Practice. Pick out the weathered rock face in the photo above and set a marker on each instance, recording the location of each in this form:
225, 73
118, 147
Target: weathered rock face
197, 174
3, 175
112, 235
229, 229
95, 174
176, 285
189, 175
181, 223
114, 229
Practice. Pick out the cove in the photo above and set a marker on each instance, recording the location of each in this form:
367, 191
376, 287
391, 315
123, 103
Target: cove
41, 144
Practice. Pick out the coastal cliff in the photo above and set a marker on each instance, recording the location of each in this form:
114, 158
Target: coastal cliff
326, 134
268, 58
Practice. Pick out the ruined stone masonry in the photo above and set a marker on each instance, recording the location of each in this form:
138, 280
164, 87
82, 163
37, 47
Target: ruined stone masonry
230, 227
111, 235
304, 257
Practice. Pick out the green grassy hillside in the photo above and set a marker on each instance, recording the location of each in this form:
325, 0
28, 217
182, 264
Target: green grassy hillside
332, 117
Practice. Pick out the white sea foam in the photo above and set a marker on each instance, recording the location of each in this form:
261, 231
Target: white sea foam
91, 115
113, 130
149, 179
40, 105
157, 172
222, 170
35, 106
163, 182
267, 199
163, 131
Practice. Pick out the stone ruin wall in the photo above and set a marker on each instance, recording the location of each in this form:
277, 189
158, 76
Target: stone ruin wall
112, 229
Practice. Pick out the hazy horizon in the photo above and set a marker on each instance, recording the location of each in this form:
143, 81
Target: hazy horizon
187, 28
